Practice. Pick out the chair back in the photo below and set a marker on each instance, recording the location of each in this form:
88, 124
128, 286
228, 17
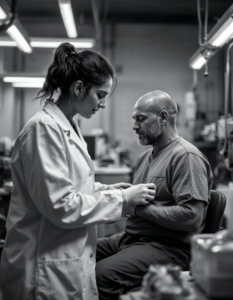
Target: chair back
2, 233
215, 212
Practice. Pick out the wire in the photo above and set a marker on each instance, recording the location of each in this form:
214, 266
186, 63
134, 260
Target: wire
206, 20
200, 23
227, 78
13, 15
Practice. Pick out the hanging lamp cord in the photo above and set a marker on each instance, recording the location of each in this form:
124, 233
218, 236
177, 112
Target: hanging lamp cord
12, 16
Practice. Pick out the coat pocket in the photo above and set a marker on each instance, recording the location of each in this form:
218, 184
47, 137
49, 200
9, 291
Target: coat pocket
60, 279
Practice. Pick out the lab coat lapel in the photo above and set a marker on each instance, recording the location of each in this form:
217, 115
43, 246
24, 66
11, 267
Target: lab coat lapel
80, 140
51, 108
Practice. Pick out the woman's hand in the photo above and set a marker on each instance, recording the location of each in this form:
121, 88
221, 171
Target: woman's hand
140, 194
121, 185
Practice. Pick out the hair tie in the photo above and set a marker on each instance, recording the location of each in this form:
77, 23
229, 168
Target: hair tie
70, 54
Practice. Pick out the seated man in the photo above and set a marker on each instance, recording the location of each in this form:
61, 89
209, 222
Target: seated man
158, 233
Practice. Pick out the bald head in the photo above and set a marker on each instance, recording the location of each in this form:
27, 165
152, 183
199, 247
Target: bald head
156, 102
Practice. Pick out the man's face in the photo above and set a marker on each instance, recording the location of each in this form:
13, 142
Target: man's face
146, 125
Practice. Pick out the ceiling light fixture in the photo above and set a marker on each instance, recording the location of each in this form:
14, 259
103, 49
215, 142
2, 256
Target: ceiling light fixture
27, 84
200, 57
14, 28
197, 61
50, 42
3, 15
54, 43
20, 80
220, 34
68, 18
5, 42
13, 79
18, 34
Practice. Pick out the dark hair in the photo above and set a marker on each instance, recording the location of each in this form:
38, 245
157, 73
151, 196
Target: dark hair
70, 65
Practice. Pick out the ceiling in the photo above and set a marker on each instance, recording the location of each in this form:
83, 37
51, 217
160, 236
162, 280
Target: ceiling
122, 11
181, 11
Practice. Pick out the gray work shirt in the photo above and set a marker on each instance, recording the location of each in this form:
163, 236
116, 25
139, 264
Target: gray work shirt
181, 173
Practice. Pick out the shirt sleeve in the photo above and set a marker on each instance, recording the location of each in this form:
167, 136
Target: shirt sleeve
189, 178
46, 172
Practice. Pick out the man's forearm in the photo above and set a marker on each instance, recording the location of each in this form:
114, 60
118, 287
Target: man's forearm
187, 217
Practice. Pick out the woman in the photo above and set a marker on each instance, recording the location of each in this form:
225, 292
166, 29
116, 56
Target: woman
50, 246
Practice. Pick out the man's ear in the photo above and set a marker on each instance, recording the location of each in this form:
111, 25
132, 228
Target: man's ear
163, 117
78, 86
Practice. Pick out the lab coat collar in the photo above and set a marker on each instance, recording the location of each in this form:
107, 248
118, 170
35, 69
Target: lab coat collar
53, 110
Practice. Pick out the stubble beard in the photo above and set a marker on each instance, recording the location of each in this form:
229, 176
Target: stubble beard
151, 137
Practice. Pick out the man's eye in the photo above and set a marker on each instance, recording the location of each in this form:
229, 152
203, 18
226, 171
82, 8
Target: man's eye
139, 118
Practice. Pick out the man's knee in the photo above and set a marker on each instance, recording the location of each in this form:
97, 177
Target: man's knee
104, 273
109, 281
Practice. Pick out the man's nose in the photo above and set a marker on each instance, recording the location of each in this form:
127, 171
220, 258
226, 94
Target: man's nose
135, 126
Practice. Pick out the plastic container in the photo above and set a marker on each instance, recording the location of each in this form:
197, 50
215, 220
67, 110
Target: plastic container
212, 263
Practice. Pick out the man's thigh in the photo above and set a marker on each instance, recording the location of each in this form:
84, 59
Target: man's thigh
126, 268
108, 246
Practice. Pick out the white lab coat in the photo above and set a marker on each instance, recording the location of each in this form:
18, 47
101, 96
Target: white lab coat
50, 246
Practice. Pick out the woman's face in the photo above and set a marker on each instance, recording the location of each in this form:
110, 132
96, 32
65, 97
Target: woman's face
88, 105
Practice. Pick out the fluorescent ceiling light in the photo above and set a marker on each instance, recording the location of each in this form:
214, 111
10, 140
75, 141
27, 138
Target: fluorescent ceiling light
6, 42
27, 84
54, 43
198, 62
21, 79
19, 38
50, 42
16, 31
3, 15
223, 35
68, 18
220, 34
223, 30
199, 58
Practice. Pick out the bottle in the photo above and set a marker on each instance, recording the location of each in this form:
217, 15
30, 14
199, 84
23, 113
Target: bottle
190, 106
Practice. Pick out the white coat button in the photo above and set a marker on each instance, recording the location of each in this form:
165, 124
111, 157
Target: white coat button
91, 255
90, 174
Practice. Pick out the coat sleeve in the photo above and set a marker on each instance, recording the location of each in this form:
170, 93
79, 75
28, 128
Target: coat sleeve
46, 172
100, 187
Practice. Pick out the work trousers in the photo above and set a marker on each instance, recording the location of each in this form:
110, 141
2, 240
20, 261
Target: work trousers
123, 260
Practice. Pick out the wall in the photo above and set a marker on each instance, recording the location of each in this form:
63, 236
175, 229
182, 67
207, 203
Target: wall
158, 60
151, 57
7, 111
147, 57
